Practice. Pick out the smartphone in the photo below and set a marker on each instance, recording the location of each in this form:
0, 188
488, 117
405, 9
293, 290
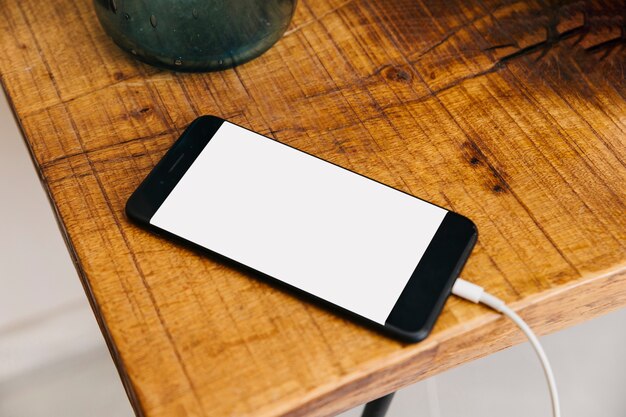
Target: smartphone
338, 238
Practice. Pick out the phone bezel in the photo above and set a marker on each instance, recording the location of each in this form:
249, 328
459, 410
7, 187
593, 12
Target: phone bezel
422, 299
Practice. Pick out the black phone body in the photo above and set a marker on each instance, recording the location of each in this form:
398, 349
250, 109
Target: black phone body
363, 277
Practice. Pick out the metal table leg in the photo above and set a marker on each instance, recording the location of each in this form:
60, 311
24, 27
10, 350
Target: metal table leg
379, 407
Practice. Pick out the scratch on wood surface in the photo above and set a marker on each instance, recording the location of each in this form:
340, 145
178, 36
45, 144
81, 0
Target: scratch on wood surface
595, 21
164, 77
598, 30
318, 18
453, 32
433, 92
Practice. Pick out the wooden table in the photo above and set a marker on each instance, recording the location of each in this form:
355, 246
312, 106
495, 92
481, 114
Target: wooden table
511, 113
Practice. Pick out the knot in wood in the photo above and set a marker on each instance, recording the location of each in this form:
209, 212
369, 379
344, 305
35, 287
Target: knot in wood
396, 74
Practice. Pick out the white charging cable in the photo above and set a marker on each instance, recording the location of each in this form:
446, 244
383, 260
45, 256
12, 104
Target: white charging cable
477, 294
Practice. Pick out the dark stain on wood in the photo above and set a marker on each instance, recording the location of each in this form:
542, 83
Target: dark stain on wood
397, 74
593, 19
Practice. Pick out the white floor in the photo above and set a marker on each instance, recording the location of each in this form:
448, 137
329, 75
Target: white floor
54, 363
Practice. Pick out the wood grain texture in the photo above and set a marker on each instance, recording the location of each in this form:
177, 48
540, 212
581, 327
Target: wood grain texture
512, 113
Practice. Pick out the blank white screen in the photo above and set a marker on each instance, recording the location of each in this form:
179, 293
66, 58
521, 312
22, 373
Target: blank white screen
318, 227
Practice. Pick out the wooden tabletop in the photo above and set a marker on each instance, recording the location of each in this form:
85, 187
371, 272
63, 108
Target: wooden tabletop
511, 113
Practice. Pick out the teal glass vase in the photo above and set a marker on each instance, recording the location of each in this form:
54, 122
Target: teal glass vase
195, 35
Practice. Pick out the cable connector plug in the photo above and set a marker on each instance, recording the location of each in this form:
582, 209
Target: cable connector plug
477, 294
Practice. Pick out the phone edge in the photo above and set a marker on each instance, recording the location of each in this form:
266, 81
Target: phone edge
142, 218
